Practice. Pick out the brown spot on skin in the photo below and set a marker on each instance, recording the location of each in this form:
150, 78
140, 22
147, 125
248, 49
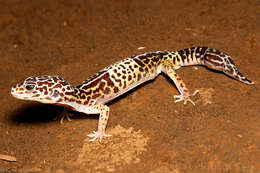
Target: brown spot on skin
59, 100
124, 77
87, 101
192, 50
101, 86
186, 51
142, 57
146, 61
118, 74
116, 90
47, 98
40, 89
61, 94
115, 70
50, 89
155, 59
21, 89
231, 61
122, 66
212, 57
197, 50
87, 92
118, 81
203, 50
139, 62
63, 89
69, 93
229, 69
50, 84
106, 90
45, 92
129, 78
141, 69
131, 68
60, 78
55, 79
174, 60
124, 71
57, 86
135, 66
146, 70
183, 57
42, 83
78, 101
83, 96
139, 76
113, 77
124, 85
134, 75
64, 83
126, 62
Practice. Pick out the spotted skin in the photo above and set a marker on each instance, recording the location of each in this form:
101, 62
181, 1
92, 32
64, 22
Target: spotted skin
91, 95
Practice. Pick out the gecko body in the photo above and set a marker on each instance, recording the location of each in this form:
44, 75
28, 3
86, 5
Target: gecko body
91, 95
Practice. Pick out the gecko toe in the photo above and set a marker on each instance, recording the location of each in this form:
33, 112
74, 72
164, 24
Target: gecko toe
97, 135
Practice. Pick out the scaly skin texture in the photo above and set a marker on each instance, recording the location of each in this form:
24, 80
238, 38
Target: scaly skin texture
91, 95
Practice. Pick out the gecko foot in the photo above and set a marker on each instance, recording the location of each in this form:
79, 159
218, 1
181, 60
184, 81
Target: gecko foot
65, 117
185, 97
99, 135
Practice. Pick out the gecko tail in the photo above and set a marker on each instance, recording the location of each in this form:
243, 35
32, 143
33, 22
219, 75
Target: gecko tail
220, 61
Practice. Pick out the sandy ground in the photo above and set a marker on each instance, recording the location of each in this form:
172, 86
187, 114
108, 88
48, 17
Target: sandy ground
151, 133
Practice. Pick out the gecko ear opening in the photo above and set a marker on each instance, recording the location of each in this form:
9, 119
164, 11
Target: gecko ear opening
55, 93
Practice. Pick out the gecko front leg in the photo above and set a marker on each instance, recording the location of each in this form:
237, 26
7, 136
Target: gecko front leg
184, 92
102, 123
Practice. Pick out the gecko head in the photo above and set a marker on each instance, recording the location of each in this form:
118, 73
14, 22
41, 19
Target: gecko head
220, 61
45, 89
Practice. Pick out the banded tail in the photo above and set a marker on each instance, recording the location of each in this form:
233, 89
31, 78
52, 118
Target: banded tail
213, 59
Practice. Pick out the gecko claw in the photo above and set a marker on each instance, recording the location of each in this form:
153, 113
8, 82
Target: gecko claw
96, 135
185, 97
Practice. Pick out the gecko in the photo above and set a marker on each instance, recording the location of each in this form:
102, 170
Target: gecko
91, 96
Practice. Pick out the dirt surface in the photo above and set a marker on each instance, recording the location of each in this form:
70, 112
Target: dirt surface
150, 132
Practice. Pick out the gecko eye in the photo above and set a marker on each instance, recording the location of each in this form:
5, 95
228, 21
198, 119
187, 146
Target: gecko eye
29, 87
